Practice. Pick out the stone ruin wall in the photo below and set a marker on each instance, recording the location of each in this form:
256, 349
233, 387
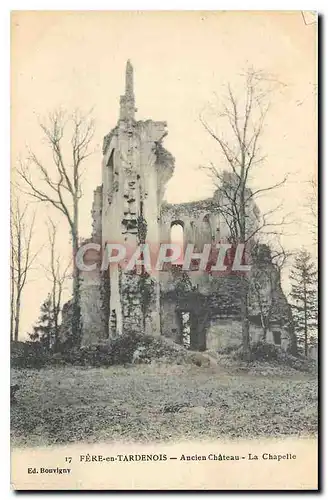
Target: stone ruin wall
130, 216
128, 208
202, 223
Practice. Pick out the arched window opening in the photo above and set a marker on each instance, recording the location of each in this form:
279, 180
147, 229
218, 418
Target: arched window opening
177, 233
177, 237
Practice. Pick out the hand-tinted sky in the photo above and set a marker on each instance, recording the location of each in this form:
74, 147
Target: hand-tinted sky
181, 61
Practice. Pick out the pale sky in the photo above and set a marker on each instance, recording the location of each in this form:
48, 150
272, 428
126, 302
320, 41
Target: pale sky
181, 60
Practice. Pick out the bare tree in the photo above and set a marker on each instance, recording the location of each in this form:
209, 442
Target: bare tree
268, 260
57, 275
279, 257
261, 286
59, 180
244, 120
21, 260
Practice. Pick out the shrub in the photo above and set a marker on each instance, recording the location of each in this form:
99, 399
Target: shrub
130, 347
228, 349
72, 356
118, 351
260, 351
263, 351
28, 355
299, 362
95, 355
123, 347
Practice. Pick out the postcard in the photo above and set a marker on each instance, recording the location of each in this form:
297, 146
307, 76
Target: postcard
164, 250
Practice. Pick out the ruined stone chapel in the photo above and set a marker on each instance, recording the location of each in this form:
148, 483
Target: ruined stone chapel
192, 308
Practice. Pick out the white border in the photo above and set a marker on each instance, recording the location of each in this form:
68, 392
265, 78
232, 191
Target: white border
5, 8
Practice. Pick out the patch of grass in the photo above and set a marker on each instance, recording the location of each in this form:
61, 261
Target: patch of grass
70, 404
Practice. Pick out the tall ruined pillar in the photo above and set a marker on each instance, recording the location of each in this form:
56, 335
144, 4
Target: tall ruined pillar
134, 176
92, 284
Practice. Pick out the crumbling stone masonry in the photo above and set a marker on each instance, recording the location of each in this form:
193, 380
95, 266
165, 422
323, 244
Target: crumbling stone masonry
128, 208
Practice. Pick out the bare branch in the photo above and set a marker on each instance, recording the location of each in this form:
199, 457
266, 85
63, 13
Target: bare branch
21, 259
58, 184
244, 116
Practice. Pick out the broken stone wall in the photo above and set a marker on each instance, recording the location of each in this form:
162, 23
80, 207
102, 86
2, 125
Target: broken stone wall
170, 319
200, 221
135, 170
93, 300
139, 298
266, 297
226, 332
93, 316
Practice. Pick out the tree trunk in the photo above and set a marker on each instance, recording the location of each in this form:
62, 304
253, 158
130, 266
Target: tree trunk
245, 320
265, 332
56, 324
264, 320
76, 316
12, 301
244, 281
291, 332
17, 317
305, 325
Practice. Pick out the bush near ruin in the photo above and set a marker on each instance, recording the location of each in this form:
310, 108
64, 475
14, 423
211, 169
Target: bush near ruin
135, 348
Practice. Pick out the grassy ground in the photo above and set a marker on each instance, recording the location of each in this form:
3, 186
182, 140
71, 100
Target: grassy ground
158, 402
